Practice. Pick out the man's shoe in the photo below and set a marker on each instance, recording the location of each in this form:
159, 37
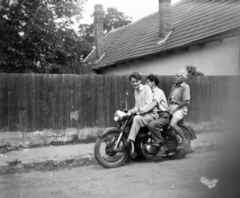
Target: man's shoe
124, 147
183, 145
162, 150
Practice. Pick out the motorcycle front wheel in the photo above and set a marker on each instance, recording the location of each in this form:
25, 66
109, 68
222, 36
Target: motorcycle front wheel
104, 153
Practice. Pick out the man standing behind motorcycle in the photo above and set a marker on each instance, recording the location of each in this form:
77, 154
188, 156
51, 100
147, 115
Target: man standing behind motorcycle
143, 97
178, 100
160, 106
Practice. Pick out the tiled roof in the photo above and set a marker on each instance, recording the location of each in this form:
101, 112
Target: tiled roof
192, 20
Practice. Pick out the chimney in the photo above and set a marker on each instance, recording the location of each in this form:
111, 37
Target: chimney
98, 30
165, 25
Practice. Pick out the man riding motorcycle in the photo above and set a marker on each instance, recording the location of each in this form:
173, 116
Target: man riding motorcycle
143, 98
112, 147
159, 104
179, 99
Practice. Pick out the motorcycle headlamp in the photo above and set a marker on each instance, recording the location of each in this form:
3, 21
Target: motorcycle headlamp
120, 116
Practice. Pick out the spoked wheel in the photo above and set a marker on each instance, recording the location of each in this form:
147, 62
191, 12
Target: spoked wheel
104, 153
183, 153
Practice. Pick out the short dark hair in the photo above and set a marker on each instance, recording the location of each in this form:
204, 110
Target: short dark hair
153, 78
135, 75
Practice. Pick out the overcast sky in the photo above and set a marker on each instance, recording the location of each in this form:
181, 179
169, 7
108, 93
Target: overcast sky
136, 9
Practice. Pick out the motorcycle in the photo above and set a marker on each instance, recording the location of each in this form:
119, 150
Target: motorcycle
143, 148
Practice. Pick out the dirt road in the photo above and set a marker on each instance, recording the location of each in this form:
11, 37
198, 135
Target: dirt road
168, 178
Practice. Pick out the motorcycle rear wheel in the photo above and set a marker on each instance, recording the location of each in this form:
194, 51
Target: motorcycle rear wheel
104, 154
182, 154
185, 151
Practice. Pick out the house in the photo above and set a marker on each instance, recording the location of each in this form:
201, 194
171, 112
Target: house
202, 33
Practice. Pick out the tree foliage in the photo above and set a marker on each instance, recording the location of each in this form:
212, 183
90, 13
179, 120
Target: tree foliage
36, 34
113, 19
192, 70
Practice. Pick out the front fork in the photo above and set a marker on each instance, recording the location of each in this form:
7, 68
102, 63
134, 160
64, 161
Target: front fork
120, 137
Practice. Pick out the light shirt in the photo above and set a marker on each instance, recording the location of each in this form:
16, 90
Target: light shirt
143, 98
180, 93
160, 97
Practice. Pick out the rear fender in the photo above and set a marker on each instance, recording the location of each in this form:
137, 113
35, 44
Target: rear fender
112, 129
188, 130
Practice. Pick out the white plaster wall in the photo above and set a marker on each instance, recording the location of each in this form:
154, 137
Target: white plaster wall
214, 58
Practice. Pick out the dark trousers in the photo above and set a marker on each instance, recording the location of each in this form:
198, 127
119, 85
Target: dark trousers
155, 126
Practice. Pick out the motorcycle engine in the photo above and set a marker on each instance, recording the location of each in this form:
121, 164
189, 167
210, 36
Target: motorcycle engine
150, 148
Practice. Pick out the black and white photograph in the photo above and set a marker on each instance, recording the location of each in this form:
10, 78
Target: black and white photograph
119, 98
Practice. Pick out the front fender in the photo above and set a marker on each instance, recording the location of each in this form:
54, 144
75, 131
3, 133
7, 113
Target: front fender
112, 129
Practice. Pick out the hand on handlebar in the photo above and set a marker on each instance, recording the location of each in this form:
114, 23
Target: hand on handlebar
141, 112
133, 111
